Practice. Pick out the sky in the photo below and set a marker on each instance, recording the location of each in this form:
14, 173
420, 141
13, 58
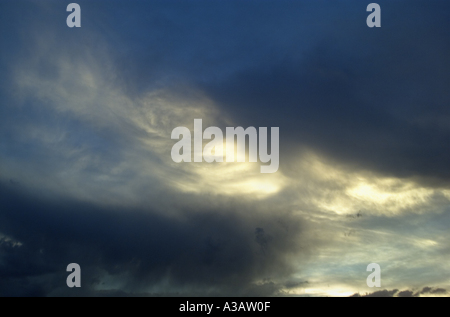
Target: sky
86, 174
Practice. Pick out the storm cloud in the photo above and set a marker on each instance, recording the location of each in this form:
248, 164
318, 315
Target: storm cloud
210, 252
86, 176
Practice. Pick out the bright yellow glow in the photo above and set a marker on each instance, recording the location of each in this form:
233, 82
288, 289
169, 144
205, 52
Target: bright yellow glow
425, 243
390, 193
231, 179
328, 291
336, 189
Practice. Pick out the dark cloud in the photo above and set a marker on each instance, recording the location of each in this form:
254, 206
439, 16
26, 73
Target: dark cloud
378, 103
432, 291
211, 252
382, 293
404, 293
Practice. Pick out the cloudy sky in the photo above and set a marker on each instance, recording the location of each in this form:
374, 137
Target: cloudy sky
86, 175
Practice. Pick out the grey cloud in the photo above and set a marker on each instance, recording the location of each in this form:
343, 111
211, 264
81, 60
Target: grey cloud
208, 252
382, 293
404, 293
432, 291
353, 104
